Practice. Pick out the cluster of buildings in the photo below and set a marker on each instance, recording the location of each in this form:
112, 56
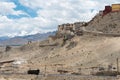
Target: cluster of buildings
71, 28
108, 9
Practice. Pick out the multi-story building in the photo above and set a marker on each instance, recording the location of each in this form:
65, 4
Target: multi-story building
115, 7
73, 28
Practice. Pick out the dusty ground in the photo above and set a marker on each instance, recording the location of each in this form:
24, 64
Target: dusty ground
55, 77
82, 52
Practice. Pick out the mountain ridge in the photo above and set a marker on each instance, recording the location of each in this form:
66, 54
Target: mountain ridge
21, 40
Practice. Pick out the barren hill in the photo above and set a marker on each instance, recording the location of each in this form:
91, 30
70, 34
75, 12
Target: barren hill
78, 54
106, 24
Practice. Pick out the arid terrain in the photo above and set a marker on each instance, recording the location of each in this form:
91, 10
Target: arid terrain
97, 48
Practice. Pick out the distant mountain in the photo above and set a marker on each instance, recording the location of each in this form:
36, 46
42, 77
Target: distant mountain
20, 40
4, 38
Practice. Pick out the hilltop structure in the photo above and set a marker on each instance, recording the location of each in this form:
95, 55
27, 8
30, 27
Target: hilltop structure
108, 9
71, 28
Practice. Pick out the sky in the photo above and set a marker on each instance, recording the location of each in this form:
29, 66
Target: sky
25, 17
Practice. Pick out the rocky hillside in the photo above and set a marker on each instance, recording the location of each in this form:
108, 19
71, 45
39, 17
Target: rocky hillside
78, 54
105, 24
82, 52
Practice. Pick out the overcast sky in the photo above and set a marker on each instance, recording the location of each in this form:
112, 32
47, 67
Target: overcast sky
24, 17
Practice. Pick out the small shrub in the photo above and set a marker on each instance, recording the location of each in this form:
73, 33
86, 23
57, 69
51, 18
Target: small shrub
8, 48
101, 68
71, 45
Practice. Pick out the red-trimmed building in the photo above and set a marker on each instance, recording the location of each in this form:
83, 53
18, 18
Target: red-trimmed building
107, 10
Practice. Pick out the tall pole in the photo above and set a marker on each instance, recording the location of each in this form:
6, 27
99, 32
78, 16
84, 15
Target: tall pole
117, 65
45, 67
